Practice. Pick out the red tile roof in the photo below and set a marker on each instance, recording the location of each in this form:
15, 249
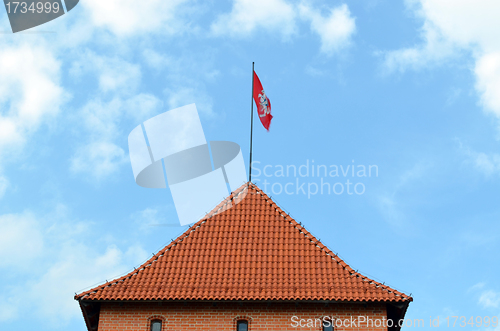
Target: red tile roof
252, 251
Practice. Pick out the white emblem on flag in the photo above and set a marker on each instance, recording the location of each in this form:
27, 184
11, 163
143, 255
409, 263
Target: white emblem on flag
264, 104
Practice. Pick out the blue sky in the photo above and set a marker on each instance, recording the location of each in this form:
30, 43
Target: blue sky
411, 87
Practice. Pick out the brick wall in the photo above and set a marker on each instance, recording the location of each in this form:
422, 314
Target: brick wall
222, 316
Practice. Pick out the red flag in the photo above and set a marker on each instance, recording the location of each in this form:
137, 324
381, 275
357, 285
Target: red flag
262, 101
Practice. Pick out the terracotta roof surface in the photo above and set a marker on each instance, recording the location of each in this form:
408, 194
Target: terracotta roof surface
251, 251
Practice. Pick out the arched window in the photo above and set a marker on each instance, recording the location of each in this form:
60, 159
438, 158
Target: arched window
327, 325
156, 325
242, 325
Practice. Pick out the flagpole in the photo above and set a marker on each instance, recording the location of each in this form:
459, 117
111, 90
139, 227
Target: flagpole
251, 130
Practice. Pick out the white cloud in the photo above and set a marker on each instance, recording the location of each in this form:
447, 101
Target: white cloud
9, 308
52, 260
99, 159
187, 77
181, 96
476, 287
150, 218
118, 81
454, 26
143, 106
77, 267
131, 17
488, 81
155, 60
114, 74
147, 216
487, 164
466, 23
248, 16
100, 118
29, 92
312, 71
21, 241
490, 299
390, 208
391, 201
100, 155
335, 30
434, 50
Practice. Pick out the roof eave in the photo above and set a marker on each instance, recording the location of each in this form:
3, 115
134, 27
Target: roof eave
90, 310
